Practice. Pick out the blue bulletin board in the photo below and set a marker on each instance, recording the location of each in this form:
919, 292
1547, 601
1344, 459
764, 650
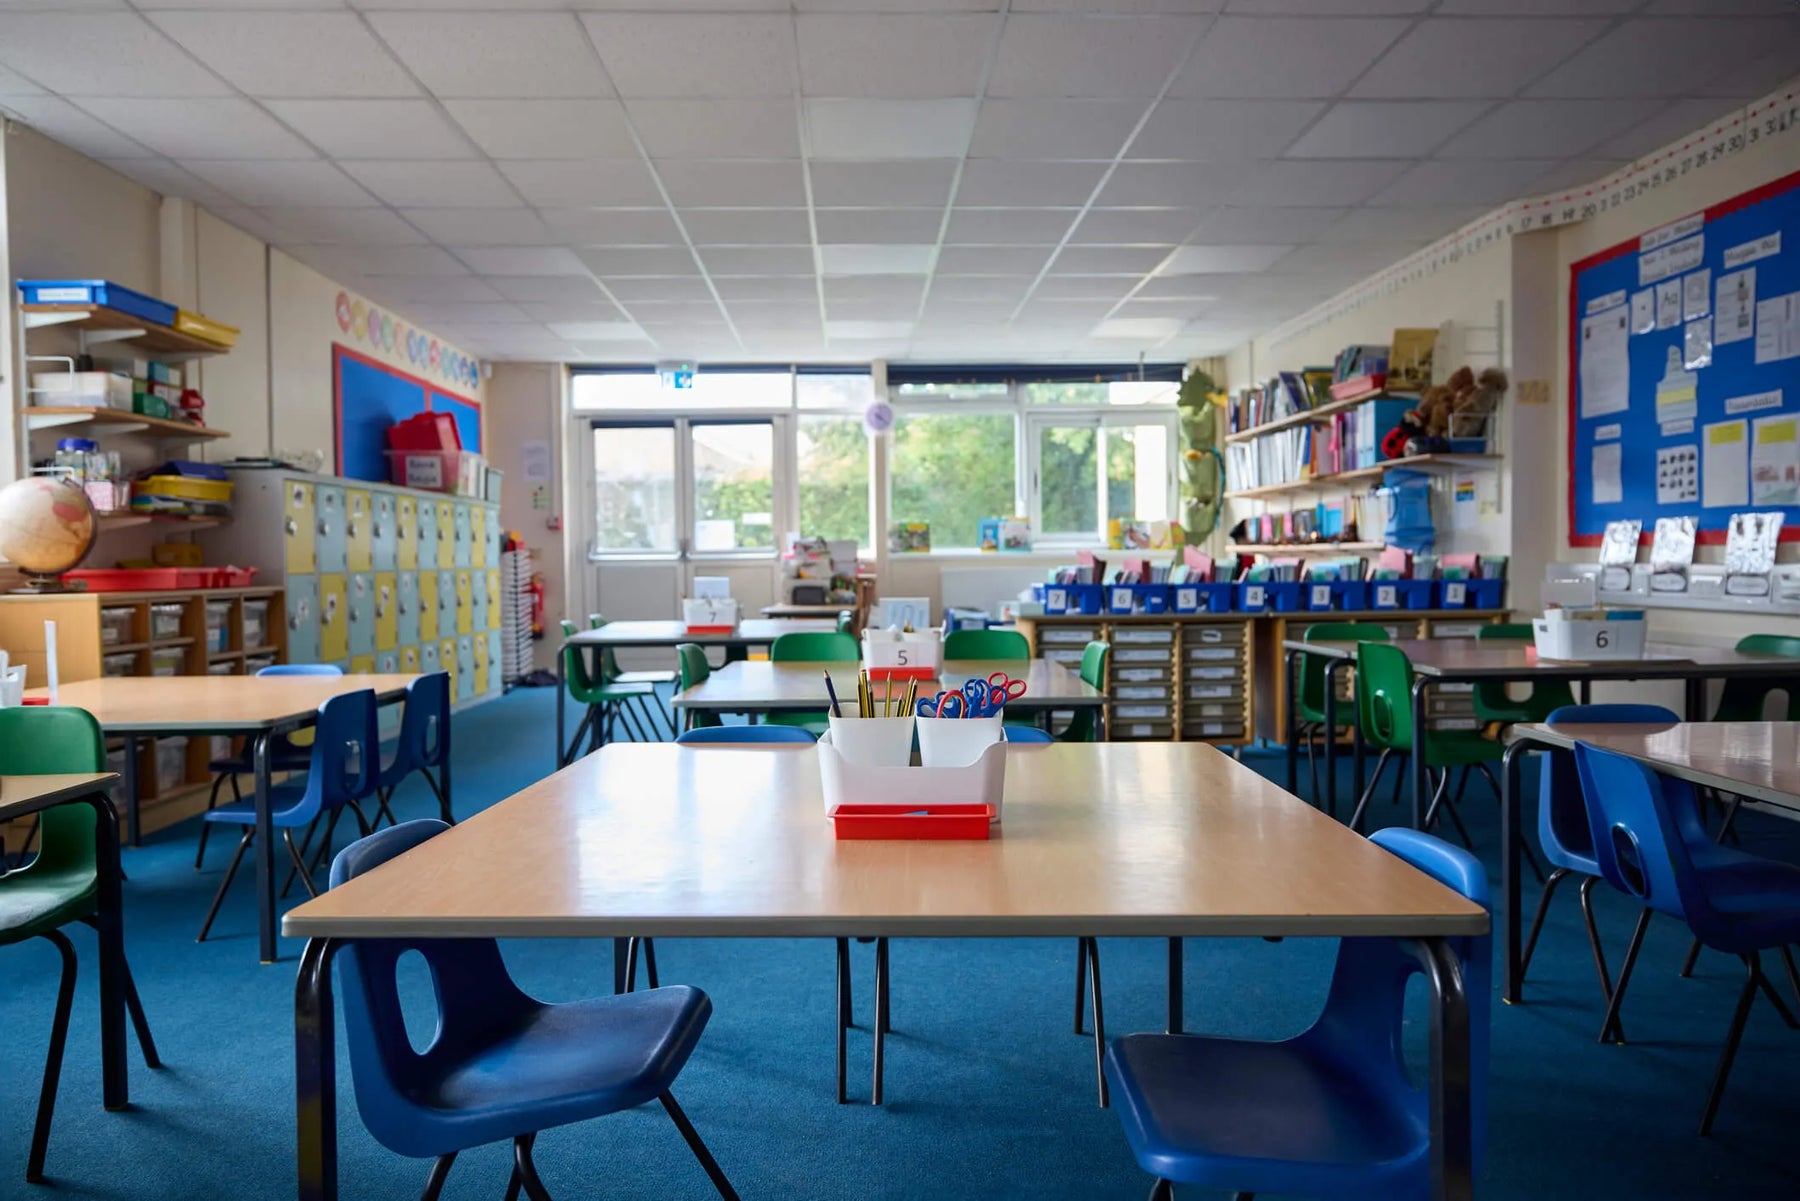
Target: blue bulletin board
369, 396
1684, 363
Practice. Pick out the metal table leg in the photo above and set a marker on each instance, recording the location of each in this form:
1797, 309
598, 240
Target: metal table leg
110, 924
1175, 985
561, 687
1452, 1116
131, 790
1331, 674
621, 954
1290, 710
1510, 841
1421, 785
315, 1073
265, 851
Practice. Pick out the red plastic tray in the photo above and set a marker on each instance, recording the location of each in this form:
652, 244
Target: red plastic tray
142, 579
710, 629
903, 673
894, 822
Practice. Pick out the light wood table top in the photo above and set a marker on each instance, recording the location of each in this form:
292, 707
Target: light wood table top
750, 632
1468, 658
1150, 838
27, 794
216, 704
761, 686
1755, 759
783, 609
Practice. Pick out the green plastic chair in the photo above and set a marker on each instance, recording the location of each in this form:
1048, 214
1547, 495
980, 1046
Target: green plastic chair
1085, 726
1009, 645
654, 714
61, 885
693, 670
1494, 705
1742, 699
605, 701
811, 647
1384, 679
1309, 698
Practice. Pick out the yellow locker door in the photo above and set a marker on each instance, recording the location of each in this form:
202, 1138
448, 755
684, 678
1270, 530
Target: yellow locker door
465, 602
428, 606
334, 618
447, 662
301, 530
493, 605
481, 666
406, 532
358, 518
362, 665
409, 659
478, 541
387, 618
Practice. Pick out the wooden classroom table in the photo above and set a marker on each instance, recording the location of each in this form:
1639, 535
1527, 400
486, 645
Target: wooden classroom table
640, 635
825, 612
254, 707
1757, 760
22, 796
765, 687
1146, 839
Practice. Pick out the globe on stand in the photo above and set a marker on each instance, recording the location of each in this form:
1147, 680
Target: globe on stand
47, 526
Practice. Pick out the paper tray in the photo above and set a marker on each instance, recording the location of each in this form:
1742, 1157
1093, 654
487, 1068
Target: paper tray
910, 789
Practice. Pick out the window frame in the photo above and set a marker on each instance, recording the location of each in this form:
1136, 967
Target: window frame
948, 407
1040, 418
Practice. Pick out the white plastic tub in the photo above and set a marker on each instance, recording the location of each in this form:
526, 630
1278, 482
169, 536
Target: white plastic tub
980, 783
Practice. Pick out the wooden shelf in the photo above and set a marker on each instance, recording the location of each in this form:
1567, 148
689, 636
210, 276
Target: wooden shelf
120, 648
1322, 413
157, 644
118, 421
259, 650
1308, 548
127, 520
1338, 479
110, 325
220, 656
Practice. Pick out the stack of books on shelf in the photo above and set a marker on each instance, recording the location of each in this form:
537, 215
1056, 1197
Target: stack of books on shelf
1282, 457
1287, 393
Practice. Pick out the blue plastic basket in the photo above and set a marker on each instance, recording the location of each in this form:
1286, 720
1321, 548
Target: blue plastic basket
1152, 598
1403, 594
100, 292
1278, 596
1351, 596
1203, 598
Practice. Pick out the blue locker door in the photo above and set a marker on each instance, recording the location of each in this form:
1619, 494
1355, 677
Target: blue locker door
428, 539
428, 658
329, 514
362, 614
409, 607
384, 532
465, 667
302, 619
446, 604
494, 673
464, 531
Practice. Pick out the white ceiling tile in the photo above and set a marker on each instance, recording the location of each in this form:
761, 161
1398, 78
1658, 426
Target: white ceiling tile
56, 118
746, 227
733, 182
1544, 128
859, 129
561, 289
1118, 6
469, 311
1328, 8
1355, 258
214, 5
1194, 184
551, 183
892, 182
1138, 328
332, 226
100, 54
1385, 129
1040, 129
167, 179
598, 309
1420, 224
1469, 181
1215, 260
634, 288
757, 260
458, 183
695, 54
1442, 59
1108, 260
1061, 314
950, 292
872, 310
290, 53
992, 260
519, 260
1265, 225
402, 289
1670, 57
14, 84
618, 227
905, 289
892, 55
867, 329
1664, 125
1571, 176
546, 128
1009, 227
196, 129
261, 183
1174, 286
1297, 182
1136, 226
1756, 78
1086, 287
639, 260
1002, 182
879, 225
339, 261
796, 290
516, 226
1716, 7
371, 129
843, 258
1105, 57
1222, 130
596, 331
515, 55
717, 128
1287, 57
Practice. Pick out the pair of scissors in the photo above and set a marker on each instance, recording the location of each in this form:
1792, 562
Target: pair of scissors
975, 698
944, 704
1001, 689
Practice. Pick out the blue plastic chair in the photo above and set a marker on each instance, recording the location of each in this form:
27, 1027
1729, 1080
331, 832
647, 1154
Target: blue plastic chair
284, 755
423, 745
1563, 830
740, 735
1733, 902
501, 1064
1027, 735
1331, 1112
346, 758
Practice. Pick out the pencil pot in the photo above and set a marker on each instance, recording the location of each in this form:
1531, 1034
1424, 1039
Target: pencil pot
904, 791
873, 741
955, 741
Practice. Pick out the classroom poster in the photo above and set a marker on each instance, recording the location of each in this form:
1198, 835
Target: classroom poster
1734, 309
1605, 363
1775, 461
1725, 466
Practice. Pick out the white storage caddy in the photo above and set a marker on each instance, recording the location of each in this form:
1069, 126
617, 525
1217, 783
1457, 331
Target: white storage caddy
1588, 634
893, 654
708, 613
980, 783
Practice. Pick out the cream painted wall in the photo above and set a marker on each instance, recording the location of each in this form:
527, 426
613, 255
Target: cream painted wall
527, 402
68, 215
231, 276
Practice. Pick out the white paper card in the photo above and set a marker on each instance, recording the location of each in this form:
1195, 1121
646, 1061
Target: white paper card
1608, 488
1725, 465
1696, 295
1775, 460
1697, 344
1734, 307
1778, 328
1643, 311
1677, 474
1605, 363
1668, 304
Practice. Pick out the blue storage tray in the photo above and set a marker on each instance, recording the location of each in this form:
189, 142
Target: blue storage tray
1403, 594
1202, 598
100, 292
1279, 596
1472, 594
1121, 599
1072, 598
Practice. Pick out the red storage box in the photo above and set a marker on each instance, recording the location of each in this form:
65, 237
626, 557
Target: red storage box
425, 431
927, 821
232, 577
143, 579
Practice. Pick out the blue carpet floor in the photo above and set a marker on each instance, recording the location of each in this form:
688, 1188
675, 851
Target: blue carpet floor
989, 1094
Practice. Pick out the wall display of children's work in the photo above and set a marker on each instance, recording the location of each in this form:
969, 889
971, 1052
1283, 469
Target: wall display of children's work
1684, 364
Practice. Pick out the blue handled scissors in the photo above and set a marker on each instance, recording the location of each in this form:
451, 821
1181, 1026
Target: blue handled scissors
944, 704
975, 698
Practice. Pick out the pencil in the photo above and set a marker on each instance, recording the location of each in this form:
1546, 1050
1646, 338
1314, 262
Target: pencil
887, 697
832, 693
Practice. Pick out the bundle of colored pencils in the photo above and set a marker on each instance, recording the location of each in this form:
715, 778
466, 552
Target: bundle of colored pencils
869, 705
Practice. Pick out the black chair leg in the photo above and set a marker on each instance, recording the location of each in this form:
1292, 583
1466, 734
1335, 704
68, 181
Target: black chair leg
569, 754
443, 801
527, 1171
650, 962
880, 1025
1611, 1024
1362, 802
1593, 934
1099, 1021
434, 1183
631, 958
1080, 984
135, 1009
1162, 1190
843, 1014
1537, 921
1787, 959
714, 1173
59, 1037
212, 802
299, 864
305, 845
237, 857
1693, 957
1733, 1034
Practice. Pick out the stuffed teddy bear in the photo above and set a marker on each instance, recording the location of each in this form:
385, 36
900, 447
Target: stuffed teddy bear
1475, 403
